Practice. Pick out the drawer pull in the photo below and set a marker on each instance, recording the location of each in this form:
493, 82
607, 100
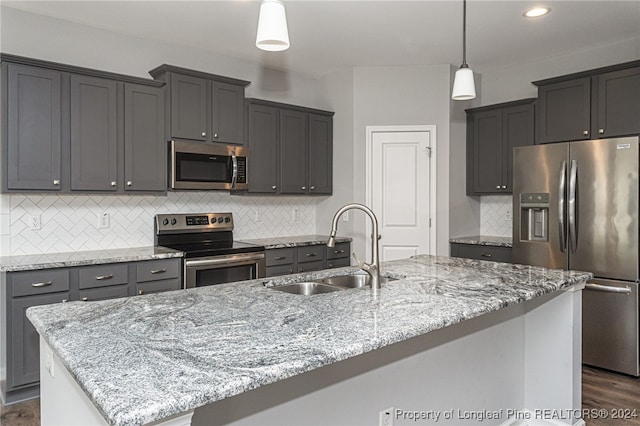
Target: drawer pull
104, 277
64, 300
158, 271
486, 255
280, 258
42, 284
338, 251
311, 255
140, 292
84, 299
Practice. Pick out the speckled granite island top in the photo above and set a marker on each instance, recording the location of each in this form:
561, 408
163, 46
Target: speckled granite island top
145, 358
484, 240
295, 241
81, 258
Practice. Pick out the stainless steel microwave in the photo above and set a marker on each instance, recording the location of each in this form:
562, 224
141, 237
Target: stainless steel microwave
201, 165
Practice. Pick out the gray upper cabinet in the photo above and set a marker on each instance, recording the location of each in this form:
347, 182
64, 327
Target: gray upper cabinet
293, 152
32, 130
291, 149
145, 154
492, 133
263, 145
188, 107
320, 154
94, 143
72, 129
599, 103
202, 106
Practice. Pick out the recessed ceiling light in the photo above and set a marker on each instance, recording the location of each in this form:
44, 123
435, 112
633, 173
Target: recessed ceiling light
536, 12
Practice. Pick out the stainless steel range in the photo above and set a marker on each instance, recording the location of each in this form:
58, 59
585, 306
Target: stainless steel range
211, 255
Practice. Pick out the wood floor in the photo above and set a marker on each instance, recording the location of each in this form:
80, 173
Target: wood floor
600, 390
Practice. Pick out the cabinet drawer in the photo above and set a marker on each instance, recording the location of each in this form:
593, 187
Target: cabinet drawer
480, 252
153, 270
103, 275
40, 282
281, 256
338, 263
158, 286
273, 271
311, 253
111, 292
311, 266
340, 250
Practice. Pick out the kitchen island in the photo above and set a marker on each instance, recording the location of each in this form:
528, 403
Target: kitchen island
470, 338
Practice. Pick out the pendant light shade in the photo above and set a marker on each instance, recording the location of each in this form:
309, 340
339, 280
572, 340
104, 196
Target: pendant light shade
273, 34
464, 87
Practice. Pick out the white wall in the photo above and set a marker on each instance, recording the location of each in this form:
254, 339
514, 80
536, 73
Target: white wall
402, 96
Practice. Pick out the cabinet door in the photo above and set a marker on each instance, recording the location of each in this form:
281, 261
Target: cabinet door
617, 102
565, 111
23, 355
33, 150
145, 150
517, 130
188, 107
320, 154
94, 145
227, 121
486, 140
293, 152
263, 149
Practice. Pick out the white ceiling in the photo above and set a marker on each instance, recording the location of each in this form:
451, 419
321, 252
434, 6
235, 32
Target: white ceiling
332, 34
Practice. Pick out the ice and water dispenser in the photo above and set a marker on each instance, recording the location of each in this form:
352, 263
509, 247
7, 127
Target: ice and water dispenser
534, 217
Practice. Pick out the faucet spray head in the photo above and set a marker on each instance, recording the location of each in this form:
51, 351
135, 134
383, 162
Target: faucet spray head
332, 240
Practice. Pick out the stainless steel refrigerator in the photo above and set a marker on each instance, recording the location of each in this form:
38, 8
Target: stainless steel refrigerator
575, 206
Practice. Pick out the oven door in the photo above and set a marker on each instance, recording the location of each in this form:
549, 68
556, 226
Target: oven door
204, 271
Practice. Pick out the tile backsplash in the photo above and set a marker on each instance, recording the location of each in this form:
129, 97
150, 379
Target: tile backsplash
71, 222
496, 214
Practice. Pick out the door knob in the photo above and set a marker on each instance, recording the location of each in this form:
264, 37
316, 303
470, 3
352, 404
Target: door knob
303, 188
601, 131
585, 132
56, 182
113, 183
215, 135
204, 134
129, 183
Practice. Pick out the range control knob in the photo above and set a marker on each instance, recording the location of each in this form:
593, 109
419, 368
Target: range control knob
227, 219
165, 221
214, 220
174, 221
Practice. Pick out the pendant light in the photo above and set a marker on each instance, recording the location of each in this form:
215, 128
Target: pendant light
464, 87
273, 34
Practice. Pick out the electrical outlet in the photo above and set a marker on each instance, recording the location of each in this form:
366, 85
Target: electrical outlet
104, 221
345, 216
34, 222
296, 215
258, 217
386, 417
507, 215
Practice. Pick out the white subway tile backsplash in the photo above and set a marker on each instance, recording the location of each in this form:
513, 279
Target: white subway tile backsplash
70, 222
496, 212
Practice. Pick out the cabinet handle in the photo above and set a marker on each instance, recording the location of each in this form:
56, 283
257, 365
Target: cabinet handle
129, 183
303, 188
279, 258
338, 251
84, 299
601, 131
64, 300
585, 132
158, 271
104, 277
273, 187
113, 183
140, 292
56, 182
486, 255
497, 186
311, 254
204, 134
312, 188
42, 284
504, 186
215, 135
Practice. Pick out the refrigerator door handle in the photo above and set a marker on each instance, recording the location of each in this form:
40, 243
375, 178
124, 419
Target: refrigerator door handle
573, 228
562, 194
608, 289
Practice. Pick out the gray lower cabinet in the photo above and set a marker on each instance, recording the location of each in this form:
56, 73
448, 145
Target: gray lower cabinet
481, 252
289, 260
293, 146
32, 128
21, 290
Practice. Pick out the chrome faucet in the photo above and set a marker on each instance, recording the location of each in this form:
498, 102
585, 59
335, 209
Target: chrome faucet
373, 268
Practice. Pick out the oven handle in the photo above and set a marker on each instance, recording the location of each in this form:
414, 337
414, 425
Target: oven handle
234, 176
225, 260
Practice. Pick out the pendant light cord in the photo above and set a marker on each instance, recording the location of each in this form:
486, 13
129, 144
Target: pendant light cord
464, 34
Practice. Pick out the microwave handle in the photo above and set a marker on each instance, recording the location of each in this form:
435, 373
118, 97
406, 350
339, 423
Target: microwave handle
234, 176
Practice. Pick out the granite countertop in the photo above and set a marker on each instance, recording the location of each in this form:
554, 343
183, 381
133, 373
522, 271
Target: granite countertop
295, 241
80, 258
142, 359
483, 240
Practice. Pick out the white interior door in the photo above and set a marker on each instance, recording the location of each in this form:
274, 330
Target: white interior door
399, 189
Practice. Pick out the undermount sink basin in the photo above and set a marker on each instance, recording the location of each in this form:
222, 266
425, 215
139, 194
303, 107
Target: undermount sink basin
353, 281
307, 288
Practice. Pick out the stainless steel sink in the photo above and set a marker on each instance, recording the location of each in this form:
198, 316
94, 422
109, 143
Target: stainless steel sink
307, 288
353, 281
